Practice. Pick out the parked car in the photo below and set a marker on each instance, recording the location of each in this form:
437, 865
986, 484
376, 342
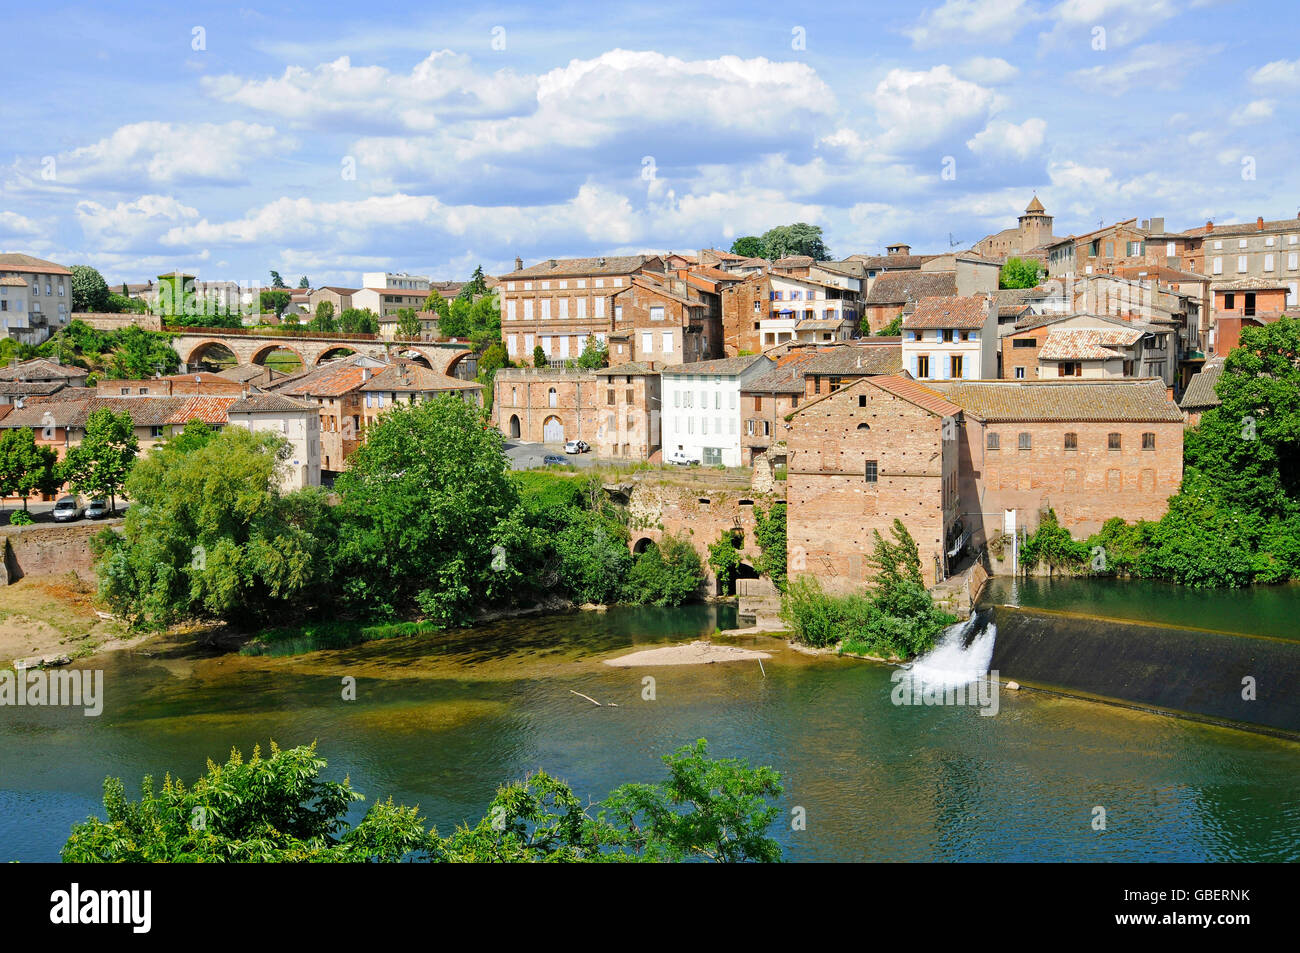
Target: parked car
97, 509
553, 460
682, 458
67, 509
577, 446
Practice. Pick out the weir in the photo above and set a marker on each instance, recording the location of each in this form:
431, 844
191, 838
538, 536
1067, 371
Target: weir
1242, 680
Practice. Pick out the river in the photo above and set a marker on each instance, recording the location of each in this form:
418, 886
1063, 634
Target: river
441, 721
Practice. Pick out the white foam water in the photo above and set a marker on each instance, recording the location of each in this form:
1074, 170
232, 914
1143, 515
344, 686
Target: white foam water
958, 657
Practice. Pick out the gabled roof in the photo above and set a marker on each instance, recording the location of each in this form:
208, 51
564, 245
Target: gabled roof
902, 287
1251, 284
41, 369
28, 263
580, 267
1200, 393
409, 377
1085, 344
1064, 400
955, 311
898, 385
727, 366
268, 403
858, 360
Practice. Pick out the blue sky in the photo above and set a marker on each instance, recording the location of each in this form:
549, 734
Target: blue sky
327, 139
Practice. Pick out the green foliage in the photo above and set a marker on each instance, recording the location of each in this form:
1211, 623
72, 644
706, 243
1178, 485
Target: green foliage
665, 575
438, 305
467, 317
724, 559
25, 466
897, 618
1052, 544
211, 535
1020, 273
323, 320
893, 329
138, 354
358, 321
797, 239
99, 465
594, 354
408, 323
263, 810
21, 518
303, 283
121, 303
770, 534
420, 502
751, 246
274, 300
89, 290
476, 286
276, 280
278, 810
593, 556
539, 357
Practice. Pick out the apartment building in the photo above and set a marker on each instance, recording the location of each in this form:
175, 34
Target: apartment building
821, 306
660, 319
385, 292
559, 303
296, 421
701, 407
1104, 249
876, 450
951, 337
35, 297
629, 402
336, 295
551, 405
1258, 250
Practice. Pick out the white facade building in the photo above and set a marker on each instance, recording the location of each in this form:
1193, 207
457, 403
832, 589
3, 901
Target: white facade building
952, 338
701, 407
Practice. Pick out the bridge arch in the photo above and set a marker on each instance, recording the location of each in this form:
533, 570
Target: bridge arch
205, 350
339, 350
450, 367
418, 356
262, 353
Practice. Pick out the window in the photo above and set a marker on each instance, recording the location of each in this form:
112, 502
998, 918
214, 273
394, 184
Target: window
1217, 266
955, 366
862, 400
1241, 243
551, 398
1218, 246
1241, 263
1025, 441
1071, 441
923, 365
869, 471
609, 396
1229, 301
657, 314
668, 342
1170, 249
155, 431
1148, 441
1113, 441
1292, 261
1024, 342
647, 342
618, 312
1020, 373
758, 402
1069, 369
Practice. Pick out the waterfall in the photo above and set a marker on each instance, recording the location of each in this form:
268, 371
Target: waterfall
960, 655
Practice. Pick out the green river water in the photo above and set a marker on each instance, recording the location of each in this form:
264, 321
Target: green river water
441, 721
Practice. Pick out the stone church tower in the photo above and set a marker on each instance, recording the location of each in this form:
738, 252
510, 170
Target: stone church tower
1035, 226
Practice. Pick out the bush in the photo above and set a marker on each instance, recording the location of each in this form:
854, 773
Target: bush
1052, 543
665, 575
724, 559
21, 518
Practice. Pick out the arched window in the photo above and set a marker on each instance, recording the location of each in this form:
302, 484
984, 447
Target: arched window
550, 398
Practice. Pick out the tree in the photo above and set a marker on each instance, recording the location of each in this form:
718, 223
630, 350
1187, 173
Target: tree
476, 286
1020, 273
539, 357
211, 535
139, 354
26, 467
276, 280
797, 239
263, 810
324, 319
100, 464
358, 321
275, 301
408, 323
437, 304
727, 811
770, 534
303, 282
665, 575
751, 246
421, 501
594, 354
89, 290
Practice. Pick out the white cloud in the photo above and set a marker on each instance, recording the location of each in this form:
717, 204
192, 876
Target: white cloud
988, 69
131, 225
919, 108
1123, 21
1152, 65
11, 223
1002, 138
969, 20
1278, 72
1252, 112
157, 153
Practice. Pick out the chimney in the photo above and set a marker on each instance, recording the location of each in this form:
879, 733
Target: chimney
1209, 227
1259, 223
519, 263
365, 374
551, 262
1158, 225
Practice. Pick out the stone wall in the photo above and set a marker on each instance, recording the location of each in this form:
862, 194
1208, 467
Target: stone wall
42, 550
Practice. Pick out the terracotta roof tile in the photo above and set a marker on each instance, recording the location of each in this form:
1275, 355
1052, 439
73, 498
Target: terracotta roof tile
955, 311
1132, 401
907, 286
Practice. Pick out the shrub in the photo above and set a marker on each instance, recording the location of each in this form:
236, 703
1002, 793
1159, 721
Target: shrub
21, 518
665, 575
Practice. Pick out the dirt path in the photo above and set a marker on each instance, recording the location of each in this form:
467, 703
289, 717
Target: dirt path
50, 616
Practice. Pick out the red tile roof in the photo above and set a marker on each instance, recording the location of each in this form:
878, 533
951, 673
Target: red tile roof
956, 311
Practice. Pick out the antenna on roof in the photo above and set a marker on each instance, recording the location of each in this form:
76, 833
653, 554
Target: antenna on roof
952, 242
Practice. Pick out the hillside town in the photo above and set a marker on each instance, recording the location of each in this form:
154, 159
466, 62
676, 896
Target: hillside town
926, 388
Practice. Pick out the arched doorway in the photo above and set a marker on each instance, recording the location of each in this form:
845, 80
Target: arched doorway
743, 571
514, 427
553, 430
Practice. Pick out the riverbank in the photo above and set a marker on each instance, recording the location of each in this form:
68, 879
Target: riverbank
51, 616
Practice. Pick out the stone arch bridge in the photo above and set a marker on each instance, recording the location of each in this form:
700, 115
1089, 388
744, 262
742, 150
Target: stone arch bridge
194, 344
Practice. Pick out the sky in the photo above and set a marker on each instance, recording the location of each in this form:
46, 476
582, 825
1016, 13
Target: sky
327, 139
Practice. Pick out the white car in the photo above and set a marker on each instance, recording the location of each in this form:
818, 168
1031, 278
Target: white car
576, 446
682, 458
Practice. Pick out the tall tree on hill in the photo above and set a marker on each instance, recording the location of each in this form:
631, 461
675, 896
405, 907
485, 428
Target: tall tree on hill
751, 246
276, 280
476, 286
303, 282
797, 239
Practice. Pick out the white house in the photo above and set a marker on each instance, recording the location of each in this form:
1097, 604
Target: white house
952, 337
296, 421
701, 407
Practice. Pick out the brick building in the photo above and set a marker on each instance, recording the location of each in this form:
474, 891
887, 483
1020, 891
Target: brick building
1084, 345
629, 402
1103, 250
548, 404
1031, 234
663, 320
1090, 450
877, 449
